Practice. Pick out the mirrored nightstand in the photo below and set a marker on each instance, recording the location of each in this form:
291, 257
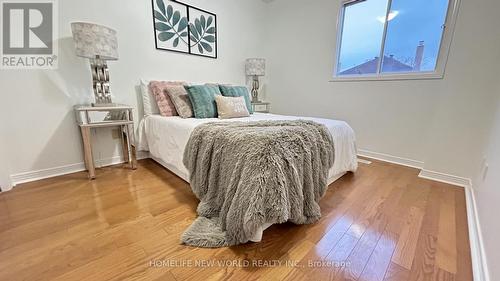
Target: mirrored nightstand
90, 117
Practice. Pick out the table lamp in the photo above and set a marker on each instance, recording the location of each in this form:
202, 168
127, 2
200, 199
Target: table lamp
255, 67
99, 44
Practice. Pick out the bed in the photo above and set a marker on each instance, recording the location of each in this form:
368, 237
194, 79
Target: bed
166, 137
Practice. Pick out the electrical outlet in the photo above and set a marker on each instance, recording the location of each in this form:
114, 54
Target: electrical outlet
115, 133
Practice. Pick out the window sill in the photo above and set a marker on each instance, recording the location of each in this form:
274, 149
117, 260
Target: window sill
388, 77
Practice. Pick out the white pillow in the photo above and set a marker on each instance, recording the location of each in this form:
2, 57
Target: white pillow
148, 100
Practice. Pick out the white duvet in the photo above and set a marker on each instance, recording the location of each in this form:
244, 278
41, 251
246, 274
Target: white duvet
166, 137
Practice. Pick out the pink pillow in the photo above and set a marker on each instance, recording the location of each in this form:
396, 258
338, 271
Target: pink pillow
166, 106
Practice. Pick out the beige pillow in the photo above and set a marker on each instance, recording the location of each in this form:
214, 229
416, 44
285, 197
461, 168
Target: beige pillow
231, 107
180, 99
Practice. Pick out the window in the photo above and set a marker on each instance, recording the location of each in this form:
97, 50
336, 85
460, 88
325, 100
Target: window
394, 39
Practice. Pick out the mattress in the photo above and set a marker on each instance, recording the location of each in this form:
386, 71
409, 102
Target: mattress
166, 137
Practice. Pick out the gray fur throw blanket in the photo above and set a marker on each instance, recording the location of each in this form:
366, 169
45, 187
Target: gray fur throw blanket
250, 173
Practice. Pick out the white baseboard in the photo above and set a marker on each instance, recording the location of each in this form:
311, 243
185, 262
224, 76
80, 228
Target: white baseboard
445, 178
46, 173
391, 159
67, 169
478, 255
426, 174
143, 155
108, 161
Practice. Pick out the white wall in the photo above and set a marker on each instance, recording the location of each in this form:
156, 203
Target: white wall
37, 105
487, 193
5, 183
440, 122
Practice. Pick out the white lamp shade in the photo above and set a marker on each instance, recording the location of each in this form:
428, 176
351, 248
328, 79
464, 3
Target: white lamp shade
255, 67
93, 40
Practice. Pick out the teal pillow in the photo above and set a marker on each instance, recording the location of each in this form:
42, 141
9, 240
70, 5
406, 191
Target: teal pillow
202, 98
237, 91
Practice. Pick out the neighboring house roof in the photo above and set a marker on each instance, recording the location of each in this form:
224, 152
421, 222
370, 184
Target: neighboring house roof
390, 64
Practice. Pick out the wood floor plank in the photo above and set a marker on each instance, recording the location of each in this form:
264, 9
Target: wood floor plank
425, 255
380, 259
464, 271
446, 254
295, 254
357, 213
333, 264
360, 255
377, 218
117, 226
108, 267
443, 275
407, 243
396, 273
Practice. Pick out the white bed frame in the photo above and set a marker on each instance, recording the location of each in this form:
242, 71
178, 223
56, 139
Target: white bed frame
258, 235
185, 177
172, 168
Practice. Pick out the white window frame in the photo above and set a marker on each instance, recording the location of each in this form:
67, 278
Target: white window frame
438, 73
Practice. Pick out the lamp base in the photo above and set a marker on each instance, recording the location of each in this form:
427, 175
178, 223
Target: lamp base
100, 82
255, 89
255, 99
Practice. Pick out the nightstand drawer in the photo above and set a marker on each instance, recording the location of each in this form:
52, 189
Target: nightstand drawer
261, 107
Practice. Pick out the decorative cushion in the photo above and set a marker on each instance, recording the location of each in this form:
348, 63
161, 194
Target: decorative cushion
202, 98
217, 84
237, 91
179, 97
163, 101
231, 107
148, 99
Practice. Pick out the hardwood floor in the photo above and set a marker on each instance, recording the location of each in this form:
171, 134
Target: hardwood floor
381, 223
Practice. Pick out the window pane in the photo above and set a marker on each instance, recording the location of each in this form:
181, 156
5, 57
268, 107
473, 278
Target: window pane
362, 33
414, 35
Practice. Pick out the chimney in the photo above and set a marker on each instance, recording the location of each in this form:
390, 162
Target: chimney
419, 56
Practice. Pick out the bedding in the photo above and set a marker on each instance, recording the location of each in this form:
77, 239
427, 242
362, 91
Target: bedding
202, 99
247, 174
180, 99
165, 105
237, 91
148, 100
229, 107
166, 137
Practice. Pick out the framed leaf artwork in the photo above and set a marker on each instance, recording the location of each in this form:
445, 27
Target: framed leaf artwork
202, 32
183, 28
171, 26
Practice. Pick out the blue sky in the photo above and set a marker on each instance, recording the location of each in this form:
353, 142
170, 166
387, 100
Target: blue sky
414, 21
